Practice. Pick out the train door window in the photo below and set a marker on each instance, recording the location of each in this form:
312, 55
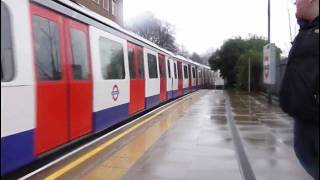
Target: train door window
185, 72
161, 68
169, 70
180, 71
152, 64
7, 62
175, 70
132, 68
193, 72
80, 67
112, 59
140, 63
47, 48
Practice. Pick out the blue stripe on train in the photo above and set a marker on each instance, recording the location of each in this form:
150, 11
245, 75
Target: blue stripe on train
106, 118
175, 93
152, 101
169, 95
172, 94
16, 150
185, 90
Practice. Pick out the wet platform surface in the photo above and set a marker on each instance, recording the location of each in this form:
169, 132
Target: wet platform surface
192, 139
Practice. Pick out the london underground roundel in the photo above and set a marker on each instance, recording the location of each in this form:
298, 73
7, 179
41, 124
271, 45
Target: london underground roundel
115, 92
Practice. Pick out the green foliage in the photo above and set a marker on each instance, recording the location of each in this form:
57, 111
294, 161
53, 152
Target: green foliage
226, 58
232, 60
255, 68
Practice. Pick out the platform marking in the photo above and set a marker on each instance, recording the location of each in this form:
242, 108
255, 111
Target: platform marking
245, 167
108, 143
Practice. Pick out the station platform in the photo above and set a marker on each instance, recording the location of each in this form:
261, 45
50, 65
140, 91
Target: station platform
209, 134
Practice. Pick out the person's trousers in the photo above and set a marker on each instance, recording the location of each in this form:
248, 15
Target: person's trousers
306, 146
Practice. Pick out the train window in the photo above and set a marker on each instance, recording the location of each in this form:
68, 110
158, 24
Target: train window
193, 72
7, 64
132, 68
175, 70
169, 70
47, 48
112, 59
80, 67
180, 72
185, 72
140, 63
152, 63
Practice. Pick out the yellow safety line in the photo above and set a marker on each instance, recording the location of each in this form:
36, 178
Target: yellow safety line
103, 146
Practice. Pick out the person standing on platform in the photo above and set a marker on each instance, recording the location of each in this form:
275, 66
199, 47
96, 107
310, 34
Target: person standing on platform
299, 93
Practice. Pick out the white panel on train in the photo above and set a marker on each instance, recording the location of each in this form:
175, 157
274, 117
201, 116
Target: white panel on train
193, 75
199, 76
108, 92
18, 94
152, 84
174, 67
185, 75
170, 75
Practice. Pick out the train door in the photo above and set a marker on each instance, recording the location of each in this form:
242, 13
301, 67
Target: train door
175, 82
63, 79
197, 77
137, 81
190, 78
169, 80
163, 78
79, 78
180, 79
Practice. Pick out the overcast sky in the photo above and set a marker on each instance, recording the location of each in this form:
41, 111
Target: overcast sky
204, 24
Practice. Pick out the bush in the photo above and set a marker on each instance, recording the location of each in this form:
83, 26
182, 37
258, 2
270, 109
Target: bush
255, 67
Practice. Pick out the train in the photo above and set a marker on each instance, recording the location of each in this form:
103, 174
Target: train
67, 72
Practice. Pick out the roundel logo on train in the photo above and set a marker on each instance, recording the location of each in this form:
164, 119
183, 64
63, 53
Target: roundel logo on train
115, 92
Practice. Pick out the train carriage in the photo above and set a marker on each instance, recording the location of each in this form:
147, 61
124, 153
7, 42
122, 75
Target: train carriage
68, 73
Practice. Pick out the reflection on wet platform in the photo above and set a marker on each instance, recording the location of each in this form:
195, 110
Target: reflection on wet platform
192, 140
268, 144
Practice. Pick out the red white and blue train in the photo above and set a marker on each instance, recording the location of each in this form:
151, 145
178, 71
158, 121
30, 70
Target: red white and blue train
67, 72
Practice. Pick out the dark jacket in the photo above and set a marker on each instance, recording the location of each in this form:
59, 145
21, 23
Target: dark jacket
299, 91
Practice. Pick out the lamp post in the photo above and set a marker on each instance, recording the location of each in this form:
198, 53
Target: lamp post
269, 85
249, 72
268, 21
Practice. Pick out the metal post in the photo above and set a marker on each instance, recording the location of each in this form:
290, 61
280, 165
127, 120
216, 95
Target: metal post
269, 85
289, 23
268, 21
249, 72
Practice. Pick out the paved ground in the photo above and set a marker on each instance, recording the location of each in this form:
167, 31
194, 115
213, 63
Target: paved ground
199, 145
193, 139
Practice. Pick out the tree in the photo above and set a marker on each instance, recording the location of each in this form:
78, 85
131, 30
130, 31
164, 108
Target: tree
226, 58
196, 57
232, 60
155, 30
255, 70
182, 50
